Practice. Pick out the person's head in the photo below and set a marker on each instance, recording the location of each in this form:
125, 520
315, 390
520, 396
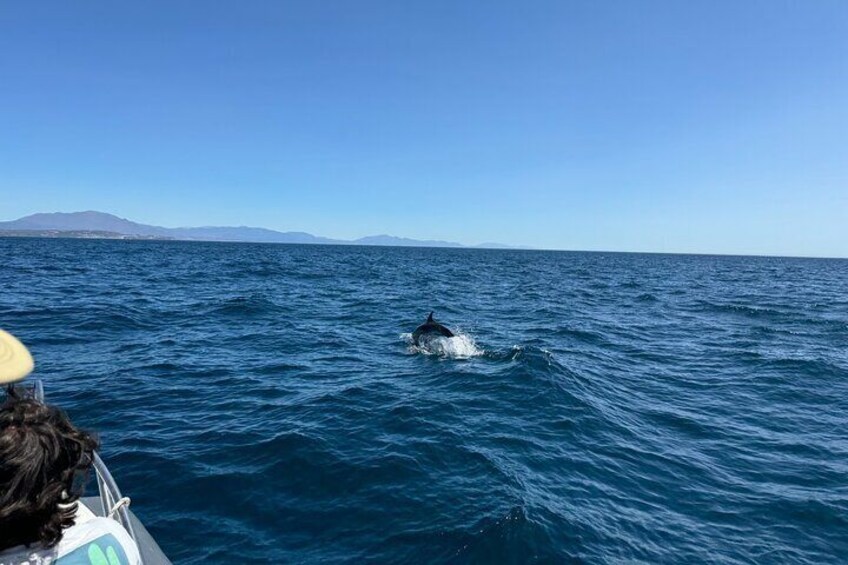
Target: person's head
43, 461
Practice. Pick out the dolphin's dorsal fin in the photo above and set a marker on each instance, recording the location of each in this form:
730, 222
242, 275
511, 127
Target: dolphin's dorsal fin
430, 318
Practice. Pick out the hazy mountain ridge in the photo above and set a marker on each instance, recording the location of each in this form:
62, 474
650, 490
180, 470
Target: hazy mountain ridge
92, 223
384, 239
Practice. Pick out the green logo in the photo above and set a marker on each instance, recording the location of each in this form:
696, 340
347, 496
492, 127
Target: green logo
97, 557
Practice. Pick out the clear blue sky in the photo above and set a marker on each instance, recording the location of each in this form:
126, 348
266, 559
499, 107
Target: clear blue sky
650, 126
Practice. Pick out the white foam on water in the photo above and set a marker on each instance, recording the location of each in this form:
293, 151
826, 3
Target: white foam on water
460, 346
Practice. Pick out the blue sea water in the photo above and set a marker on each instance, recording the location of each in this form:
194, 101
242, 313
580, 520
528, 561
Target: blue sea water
263, 403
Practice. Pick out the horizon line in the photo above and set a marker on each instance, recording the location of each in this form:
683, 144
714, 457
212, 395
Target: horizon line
462, 247
353, 242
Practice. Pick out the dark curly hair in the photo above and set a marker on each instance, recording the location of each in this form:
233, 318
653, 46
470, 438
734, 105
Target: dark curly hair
41, 454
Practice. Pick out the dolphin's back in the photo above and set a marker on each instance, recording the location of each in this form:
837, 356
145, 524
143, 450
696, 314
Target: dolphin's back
443, 330
430, 328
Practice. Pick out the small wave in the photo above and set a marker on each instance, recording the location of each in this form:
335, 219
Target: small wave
251, 306
745, 310
113, 321
460, 346
515, 536
532, 355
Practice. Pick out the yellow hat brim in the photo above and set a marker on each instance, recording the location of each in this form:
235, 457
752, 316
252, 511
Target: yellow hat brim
15, 361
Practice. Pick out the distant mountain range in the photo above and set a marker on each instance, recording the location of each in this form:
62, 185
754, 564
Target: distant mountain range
99, 225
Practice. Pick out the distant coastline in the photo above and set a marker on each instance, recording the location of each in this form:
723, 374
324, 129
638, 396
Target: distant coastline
101, 225
78, 234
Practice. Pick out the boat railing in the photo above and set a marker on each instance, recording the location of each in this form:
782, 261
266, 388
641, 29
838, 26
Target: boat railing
112, 502
114, 505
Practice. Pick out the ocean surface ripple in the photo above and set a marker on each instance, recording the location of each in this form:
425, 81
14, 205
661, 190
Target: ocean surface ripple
264, 402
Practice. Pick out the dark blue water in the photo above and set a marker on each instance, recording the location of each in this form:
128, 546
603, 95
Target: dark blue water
262, 402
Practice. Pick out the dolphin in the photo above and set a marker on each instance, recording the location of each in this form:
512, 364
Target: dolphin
430, 328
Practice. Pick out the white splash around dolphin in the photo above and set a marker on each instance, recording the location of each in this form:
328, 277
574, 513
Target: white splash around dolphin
460, 346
